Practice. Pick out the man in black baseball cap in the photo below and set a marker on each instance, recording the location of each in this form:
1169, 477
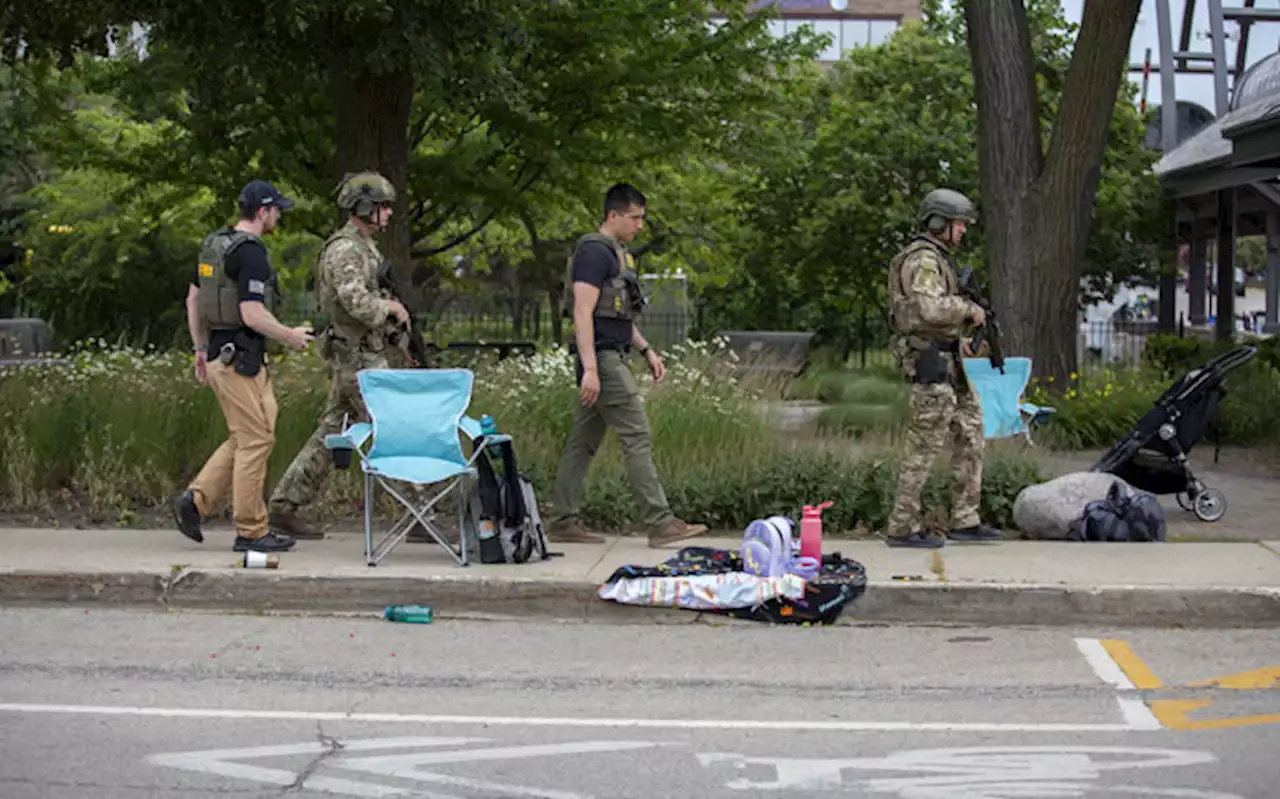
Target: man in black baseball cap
231, 312
261, 194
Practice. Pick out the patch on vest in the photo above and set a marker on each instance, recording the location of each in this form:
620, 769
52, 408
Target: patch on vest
206, 270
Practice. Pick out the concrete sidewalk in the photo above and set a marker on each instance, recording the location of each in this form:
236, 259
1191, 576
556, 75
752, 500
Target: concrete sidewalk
1010, 583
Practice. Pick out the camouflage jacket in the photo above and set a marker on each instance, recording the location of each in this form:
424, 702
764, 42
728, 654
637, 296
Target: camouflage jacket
347, 288
924, 293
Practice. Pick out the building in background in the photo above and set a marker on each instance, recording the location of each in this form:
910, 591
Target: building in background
849, 23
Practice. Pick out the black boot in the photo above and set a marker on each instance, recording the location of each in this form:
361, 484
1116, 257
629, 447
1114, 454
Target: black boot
917, 540
187, 516
978, 532
271, 542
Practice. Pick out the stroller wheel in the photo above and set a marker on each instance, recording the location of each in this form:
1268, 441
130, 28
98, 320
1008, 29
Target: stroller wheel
1184, 502
1211, 505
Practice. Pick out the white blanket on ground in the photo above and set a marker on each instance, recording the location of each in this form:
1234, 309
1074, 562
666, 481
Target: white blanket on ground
704, 591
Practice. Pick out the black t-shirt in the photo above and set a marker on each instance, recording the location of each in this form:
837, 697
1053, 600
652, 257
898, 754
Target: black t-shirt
249, 266
595, 263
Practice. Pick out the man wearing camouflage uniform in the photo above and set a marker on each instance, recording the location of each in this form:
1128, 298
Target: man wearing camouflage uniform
356, 338
929, 320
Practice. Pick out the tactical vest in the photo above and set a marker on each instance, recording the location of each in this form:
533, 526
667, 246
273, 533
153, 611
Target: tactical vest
219, 300
619, 295
898, 292
338, 317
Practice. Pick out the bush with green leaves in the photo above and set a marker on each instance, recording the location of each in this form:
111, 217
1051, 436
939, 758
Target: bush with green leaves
116, 432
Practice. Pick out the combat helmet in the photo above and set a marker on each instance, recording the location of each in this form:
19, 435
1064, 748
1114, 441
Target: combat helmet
943, 205
362, 192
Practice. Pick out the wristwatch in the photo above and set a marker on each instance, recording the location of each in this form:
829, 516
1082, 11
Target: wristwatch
645, 352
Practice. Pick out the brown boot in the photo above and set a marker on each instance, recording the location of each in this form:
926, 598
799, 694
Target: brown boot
289, 524
674, 531
574, 533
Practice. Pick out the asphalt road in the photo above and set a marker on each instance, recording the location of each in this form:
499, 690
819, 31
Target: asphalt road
110, 704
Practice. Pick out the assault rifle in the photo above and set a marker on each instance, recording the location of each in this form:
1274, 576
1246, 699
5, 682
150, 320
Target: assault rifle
417, 345
990, 328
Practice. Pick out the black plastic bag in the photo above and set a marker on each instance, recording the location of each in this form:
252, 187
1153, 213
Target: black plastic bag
1122, 516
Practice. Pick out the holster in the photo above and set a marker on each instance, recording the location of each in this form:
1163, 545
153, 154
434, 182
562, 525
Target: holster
249, 355
933, 364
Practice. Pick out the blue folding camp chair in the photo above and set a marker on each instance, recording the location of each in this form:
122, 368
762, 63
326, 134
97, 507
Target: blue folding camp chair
413, 438
1004, 412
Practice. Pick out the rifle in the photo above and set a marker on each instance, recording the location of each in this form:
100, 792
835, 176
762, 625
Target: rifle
387, 282
989, 329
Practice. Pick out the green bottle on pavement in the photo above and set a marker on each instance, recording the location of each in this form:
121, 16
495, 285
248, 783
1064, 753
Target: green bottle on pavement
413, 614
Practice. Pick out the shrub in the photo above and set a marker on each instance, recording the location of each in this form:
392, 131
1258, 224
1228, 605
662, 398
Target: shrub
118, 431
1098, 410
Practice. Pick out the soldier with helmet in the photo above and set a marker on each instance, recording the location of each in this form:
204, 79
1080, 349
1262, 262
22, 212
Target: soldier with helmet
929, 320
231, 306
356, 338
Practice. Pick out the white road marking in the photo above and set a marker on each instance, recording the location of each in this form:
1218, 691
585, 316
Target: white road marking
963, 773
1137, 714
224, 763
1103, 665
536, 721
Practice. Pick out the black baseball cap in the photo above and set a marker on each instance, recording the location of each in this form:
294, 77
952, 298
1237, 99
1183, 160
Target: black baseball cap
261, 194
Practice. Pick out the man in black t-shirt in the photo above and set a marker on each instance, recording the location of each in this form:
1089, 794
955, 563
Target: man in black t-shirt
230, 314
601, 297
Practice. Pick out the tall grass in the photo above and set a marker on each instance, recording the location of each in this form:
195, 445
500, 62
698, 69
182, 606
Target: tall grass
119, 430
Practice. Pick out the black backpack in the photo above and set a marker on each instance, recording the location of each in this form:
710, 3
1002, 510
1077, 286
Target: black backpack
502, 521
1122, 516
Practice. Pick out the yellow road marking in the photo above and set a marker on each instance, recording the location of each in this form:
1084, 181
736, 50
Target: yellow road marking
1132, 665
1256, 679
1172, 714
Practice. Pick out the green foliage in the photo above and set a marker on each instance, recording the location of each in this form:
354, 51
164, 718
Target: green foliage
118, 431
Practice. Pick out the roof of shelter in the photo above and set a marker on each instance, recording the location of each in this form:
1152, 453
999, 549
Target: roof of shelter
1255, 102
1260, 81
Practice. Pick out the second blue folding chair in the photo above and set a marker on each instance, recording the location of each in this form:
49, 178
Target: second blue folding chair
1004, 411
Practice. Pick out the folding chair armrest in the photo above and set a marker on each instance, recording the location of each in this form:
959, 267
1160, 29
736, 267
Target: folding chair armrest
471, 427
1038, 413
351, 438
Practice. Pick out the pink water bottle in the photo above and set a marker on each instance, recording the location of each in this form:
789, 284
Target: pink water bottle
811, 531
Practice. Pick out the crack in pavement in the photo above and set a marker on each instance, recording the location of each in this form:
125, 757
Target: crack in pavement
177, 573
335, 746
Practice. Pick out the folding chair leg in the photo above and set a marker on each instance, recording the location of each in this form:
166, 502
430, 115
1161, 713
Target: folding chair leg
368, 520
394, 537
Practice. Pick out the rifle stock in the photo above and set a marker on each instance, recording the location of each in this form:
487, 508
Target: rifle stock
990, 328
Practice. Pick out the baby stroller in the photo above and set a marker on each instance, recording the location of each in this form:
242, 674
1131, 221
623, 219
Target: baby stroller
1153, 457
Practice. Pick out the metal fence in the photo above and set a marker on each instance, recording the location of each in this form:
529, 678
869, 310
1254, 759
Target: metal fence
1114, 342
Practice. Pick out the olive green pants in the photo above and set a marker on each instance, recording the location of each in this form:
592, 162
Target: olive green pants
619, 408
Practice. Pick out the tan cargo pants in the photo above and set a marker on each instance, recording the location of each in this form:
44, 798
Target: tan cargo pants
239, 466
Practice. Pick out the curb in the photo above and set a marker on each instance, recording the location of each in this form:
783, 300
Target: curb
891, 602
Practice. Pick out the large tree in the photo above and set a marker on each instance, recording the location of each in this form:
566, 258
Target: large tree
1038, 201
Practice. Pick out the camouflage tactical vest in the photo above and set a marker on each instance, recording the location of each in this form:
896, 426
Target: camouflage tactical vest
219, 301
617, 295
902, 316
326, 295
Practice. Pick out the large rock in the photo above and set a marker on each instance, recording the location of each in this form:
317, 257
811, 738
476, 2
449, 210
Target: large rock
1045, 511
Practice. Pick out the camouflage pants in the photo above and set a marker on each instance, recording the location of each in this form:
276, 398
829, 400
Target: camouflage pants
940, 414
302, 480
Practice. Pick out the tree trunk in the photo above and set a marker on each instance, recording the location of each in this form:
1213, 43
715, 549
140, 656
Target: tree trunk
1037, 208
372, 132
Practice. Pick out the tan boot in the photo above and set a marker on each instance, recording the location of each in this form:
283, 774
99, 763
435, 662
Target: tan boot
574, 533
290, 524
674, 531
